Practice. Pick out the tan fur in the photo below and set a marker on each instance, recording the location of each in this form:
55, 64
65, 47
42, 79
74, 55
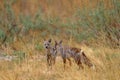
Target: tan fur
77, 54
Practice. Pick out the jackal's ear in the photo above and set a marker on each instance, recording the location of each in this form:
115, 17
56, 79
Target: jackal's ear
60, 42
56, 43
50, 40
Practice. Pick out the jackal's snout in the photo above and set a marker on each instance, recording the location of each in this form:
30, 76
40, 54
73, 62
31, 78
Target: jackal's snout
47, 43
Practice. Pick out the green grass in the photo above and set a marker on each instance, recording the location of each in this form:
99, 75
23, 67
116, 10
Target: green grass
84, 25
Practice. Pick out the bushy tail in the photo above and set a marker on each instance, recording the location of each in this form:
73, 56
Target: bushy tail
86, 60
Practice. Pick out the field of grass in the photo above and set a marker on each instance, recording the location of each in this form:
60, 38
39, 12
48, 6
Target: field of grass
92, 25
107, 63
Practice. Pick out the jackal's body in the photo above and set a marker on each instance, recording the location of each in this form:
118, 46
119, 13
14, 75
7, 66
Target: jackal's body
51, 52
71, 52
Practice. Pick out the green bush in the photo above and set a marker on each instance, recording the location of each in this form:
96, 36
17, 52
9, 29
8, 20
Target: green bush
85, 24
39, 47
98, 21
2, 35
20, 56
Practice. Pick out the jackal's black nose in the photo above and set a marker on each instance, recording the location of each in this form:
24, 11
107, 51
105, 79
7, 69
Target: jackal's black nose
46, 47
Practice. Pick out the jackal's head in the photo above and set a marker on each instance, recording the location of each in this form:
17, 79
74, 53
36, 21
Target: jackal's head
47, 43
58, 45
54, 49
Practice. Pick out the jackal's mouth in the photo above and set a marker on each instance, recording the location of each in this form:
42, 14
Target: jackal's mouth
46, 47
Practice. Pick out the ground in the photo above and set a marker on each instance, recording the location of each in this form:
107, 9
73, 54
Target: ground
106, 60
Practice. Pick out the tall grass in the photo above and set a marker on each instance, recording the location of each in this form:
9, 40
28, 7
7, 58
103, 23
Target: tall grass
86, 24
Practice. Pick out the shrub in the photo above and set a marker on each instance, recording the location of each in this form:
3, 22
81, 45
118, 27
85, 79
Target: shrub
20, 56
2, 35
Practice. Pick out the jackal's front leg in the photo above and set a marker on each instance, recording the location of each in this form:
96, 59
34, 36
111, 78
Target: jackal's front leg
53, 60
64, 62
48, 60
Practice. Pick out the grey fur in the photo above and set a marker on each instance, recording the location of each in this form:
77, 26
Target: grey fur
51, 52
71, 52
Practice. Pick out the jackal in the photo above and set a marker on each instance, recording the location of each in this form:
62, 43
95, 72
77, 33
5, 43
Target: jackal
71, 52
51, 52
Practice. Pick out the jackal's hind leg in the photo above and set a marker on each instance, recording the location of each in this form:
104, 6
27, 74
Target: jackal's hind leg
69, 61
79, 62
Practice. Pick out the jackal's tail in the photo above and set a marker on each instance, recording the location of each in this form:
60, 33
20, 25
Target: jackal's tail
86, 60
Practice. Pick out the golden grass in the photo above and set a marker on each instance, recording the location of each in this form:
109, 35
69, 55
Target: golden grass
107, 63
